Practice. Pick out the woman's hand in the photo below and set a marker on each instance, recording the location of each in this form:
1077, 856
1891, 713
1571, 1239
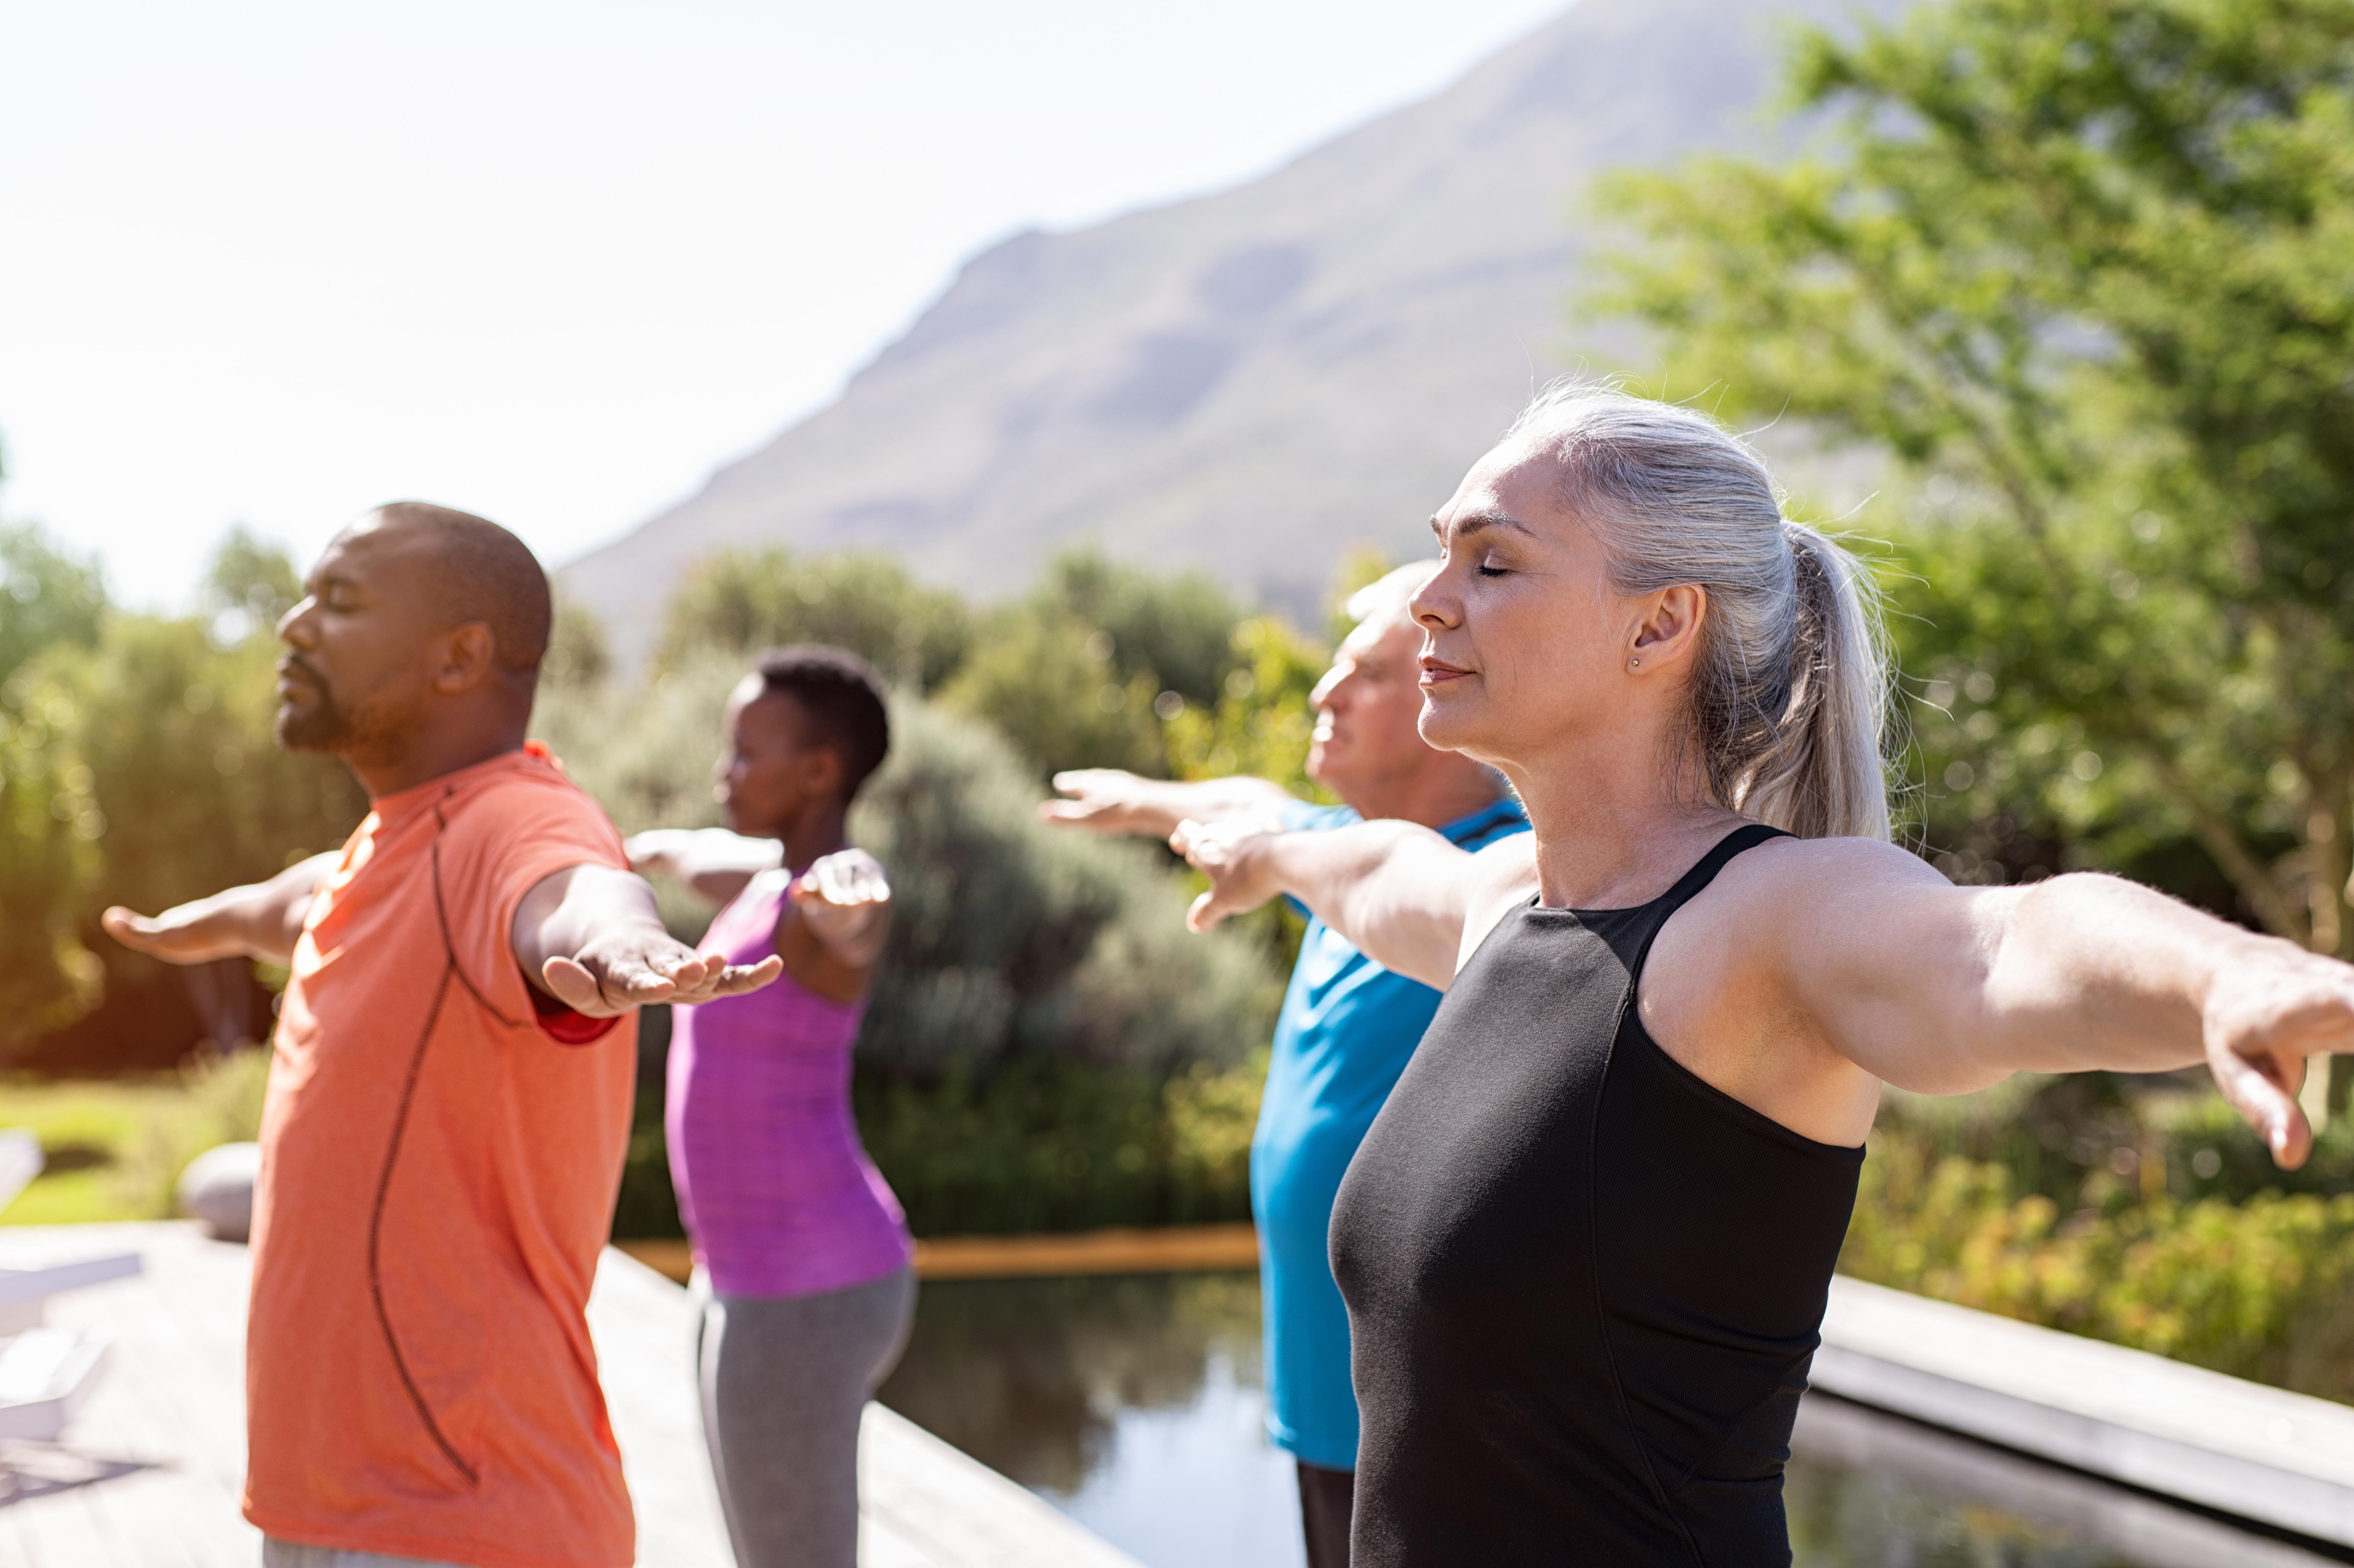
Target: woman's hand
1234, 856
844, 900
2272, 1017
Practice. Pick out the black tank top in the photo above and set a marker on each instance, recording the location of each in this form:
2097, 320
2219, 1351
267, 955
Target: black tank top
1584, 1286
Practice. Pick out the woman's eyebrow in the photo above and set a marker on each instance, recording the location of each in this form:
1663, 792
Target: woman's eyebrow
1478, 521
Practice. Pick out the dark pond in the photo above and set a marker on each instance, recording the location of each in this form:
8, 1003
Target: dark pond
1133, 1403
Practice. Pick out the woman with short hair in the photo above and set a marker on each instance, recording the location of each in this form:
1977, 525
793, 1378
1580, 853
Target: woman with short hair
802, 1260
1587, 1244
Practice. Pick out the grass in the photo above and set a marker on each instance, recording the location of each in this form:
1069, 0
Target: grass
115, 1148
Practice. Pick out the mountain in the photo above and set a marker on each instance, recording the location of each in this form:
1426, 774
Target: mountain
1249, 382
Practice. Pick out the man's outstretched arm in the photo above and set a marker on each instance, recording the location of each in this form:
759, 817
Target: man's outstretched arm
1402, 894
591, 937
262, 920
1111, 801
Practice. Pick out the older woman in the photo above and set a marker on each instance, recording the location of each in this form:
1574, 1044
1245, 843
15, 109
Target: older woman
1587, 1244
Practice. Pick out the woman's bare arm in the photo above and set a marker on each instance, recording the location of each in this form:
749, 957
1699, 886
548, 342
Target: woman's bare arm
716, 864
1402, 894
1945, 989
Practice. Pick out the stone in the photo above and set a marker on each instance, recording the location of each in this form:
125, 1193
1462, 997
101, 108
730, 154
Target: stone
217, 1189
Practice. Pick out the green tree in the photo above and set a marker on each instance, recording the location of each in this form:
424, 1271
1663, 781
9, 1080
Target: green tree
48, 861
1173, 631
1051, 683
45, 597
251, 584
741, 601
1261, 720
2082, 268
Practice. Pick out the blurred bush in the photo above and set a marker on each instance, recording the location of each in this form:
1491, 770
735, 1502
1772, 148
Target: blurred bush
138, 767
221, 1103
1051, 684
2256, 1290
1050, 1144
740, 601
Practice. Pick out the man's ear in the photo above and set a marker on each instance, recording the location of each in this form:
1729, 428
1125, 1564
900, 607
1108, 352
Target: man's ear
464, 656
1669, 625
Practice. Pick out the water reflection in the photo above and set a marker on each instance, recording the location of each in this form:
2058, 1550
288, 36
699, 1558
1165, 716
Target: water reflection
1031, 1376
1134, 1404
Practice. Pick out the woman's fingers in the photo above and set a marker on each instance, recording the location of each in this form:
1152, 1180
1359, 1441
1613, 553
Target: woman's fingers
2262, 1088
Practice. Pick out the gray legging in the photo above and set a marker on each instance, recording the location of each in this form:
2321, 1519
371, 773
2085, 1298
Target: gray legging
785, 1379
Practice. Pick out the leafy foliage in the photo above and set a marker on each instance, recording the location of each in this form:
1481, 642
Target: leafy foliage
741, 601
140, 768
2083, 269
46, 597
2256, 1290
1050, 683
1262, 719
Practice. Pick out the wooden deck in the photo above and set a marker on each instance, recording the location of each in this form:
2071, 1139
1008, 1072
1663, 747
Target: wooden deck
148, 1475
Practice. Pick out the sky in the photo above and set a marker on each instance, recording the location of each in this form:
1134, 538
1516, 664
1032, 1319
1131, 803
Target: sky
268, 264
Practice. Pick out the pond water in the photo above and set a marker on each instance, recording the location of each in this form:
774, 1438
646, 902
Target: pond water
1133, 1403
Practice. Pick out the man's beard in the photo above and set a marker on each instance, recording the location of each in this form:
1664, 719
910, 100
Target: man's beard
324, 727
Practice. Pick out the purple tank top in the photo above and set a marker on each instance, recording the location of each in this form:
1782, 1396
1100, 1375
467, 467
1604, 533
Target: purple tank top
778, 1196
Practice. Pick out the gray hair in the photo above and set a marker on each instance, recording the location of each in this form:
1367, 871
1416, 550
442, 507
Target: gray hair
1789, 694
1389, 594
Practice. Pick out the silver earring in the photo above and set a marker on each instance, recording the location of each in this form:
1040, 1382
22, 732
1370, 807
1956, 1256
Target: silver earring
1634, 663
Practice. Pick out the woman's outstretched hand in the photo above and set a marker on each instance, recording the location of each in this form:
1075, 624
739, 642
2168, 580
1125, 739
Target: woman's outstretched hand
844, 899
1233, 855
2271, 1018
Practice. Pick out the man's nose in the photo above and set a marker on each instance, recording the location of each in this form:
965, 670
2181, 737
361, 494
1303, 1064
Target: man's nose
294, 626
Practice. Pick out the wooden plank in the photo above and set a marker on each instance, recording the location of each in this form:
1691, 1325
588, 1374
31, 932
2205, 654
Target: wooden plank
1177, 1249
163, 1437
2256, 1453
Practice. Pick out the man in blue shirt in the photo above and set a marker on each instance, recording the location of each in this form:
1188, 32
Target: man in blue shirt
1348, 1025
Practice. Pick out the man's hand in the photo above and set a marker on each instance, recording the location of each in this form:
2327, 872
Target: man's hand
2273, 1016
629, 968
1233, 855
263, 920
844, 900
1111, 801
590, 936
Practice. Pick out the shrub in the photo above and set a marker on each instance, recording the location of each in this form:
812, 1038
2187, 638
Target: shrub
2256, 1290
741, 601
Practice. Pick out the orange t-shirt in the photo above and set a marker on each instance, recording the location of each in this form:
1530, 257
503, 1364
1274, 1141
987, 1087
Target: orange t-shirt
438, 1176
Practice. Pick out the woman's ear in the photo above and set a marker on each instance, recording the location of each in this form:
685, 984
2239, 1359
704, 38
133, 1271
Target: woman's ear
1669, 627
821, 771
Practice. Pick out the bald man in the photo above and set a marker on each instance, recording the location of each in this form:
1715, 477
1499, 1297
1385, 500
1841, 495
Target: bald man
449, 1089
1348, 1025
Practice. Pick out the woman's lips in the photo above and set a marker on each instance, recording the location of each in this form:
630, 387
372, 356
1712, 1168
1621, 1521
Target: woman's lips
1438, 672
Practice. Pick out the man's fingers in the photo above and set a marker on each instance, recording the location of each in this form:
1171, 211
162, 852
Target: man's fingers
574, 987
1206, 912
737, 979
133, 930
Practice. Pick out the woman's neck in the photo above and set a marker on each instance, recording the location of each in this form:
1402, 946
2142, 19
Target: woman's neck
1612, 827
817, 832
